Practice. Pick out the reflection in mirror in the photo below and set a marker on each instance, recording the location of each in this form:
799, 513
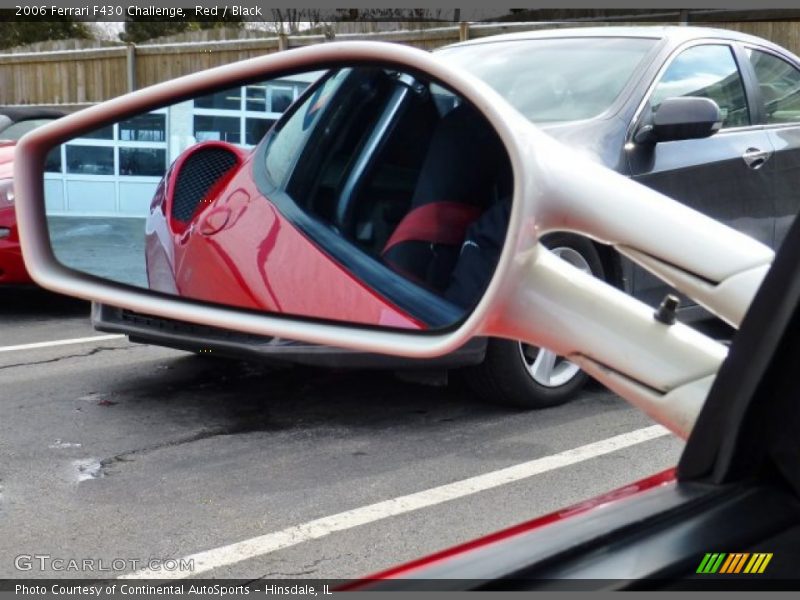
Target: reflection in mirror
356, 194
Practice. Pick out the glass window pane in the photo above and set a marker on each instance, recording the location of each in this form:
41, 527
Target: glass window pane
257, 98
281, 98
90, 160
256, 129
142, 161
225, 129
286, 145
104, 133
779, 83
708, 72
144, 128
226, 100
554, 79
52, 164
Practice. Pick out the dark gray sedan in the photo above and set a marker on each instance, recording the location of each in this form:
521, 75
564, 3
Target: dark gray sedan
709, 117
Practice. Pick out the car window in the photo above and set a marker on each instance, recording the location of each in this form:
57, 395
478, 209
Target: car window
708, 71
368, 142
16, 130
779, 83
552, 80
290, 139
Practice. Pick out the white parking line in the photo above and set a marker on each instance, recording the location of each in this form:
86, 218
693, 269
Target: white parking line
291, 536
53, 343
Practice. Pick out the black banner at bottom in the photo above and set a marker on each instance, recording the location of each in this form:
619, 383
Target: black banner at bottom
64, 589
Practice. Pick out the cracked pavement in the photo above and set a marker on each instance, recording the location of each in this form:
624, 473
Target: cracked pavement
117, 450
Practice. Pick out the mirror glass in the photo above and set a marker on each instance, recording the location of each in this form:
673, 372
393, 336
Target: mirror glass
358, 194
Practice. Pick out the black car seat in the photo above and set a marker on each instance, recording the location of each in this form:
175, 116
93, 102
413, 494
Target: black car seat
458, 181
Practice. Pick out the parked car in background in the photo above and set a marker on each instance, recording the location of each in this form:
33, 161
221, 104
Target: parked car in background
709, 117
14, 123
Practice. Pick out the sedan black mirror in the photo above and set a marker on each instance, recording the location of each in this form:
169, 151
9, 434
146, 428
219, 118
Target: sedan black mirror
681, 118
298, 236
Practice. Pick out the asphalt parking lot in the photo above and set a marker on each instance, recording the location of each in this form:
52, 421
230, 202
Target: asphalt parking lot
111, 450
112, 248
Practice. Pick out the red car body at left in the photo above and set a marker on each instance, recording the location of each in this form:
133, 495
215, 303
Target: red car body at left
12, 268
237, 249
418, 567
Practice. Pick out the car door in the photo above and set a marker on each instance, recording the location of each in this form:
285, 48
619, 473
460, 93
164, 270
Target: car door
778, 80
727, 175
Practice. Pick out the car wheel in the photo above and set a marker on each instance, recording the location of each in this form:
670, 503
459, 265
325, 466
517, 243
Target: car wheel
521, 375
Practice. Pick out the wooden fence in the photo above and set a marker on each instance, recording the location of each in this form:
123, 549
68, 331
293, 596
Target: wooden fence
96, 74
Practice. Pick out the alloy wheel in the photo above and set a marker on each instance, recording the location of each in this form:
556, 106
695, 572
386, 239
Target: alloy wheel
544, 366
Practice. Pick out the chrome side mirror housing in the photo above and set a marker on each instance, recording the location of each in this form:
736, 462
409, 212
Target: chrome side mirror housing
666, 370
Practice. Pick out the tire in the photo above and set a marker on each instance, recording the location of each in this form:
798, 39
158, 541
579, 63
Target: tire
520, 375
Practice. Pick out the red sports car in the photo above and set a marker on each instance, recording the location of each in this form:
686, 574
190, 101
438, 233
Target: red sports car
14, 123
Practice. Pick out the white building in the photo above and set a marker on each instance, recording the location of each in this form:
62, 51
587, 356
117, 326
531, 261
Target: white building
114, 170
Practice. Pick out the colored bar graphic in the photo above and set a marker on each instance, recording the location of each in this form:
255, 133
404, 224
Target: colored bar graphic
758, 563
711, 563
734, 563
728, 563
740, 562
703, 564
755, 562
715, 567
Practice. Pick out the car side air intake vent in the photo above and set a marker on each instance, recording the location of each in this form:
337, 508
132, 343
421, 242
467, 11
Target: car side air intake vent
197, 176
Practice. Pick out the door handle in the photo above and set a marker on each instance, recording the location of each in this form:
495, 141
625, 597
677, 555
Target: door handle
755, 158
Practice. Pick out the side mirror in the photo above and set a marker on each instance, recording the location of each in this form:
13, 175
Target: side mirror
291, 237
681, 118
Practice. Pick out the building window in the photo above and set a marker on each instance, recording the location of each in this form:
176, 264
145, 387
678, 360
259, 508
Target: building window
149, 162
135, 147
144, 128
243, 115
224, 100
281, 98
90, 160
225, 129
256, 98
104, 133
52, 164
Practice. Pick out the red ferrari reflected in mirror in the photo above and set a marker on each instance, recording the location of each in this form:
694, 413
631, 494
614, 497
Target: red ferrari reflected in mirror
376, 198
